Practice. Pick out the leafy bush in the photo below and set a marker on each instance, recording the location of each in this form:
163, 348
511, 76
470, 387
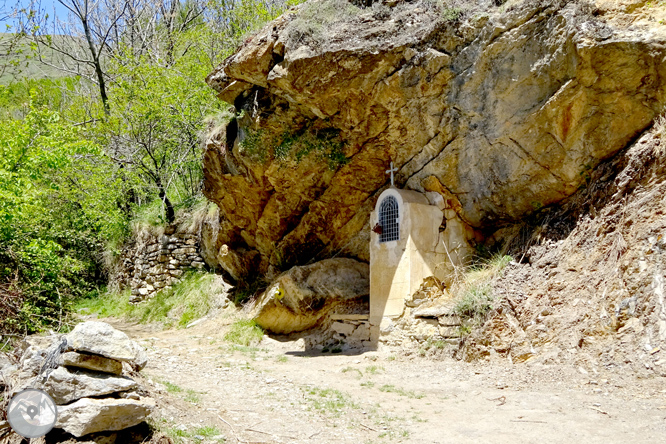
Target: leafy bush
58, 209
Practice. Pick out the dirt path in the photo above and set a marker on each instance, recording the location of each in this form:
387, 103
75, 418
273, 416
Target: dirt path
274, 393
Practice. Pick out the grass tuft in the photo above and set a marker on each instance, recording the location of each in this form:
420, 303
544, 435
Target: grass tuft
244, 332
329, 400
402, 392
476, 298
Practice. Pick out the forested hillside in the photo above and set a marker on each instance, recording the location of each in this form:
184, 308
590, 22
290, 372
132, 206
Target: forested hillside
102, 112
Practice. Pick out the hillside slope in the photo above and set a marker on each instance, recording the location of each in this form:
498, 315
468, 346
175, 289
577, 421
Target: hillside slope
592, 286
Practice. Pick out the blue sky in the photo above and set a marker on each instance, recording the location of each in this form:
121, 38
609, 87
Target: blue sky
51, 7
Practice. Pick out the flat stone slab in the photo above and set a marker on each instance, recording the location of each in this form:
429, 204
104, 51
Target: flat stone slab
92, 362
66, 386
98, 415
101, 339
434, 309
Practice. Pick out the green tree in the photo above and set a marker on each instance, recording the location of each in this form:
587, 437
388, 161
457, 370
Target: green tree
154, 130
58, 211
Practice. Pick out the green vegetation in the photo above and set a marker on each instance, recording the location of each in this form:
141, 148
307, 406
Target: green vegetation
58, 211
431, 344
180, 435
475, 298
374, 369
352, 369
326, 145
244, 332
402, 392
192, 396
329, 401
106, 138
451, 14
172, 388
186, 301
253, 145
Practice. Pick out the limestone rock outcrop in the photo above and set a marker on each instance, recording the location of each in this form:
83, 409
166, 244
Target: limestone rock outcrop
501, 111
300, 298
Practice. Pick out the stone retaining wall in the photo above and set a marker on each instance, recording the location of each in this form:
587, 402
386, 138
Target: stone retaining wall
155, 262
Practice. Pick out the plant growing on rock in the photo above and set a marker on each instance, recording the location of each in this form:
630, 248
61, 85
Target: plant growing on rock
325, 144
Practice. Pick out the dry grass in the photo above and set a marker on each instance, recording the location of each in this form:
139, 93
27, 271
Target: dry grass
660, 126
473, 288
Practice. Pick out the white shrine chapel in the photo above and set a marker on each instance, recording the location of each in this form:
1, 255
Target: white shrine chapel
406, 246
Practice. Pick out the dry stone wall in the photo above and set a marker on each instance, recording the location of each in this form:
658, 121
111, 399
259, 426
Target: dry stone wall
157, 261
91, 385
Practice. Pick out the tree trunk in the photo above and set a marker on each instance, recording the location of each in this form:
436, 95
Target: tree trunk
168, 206
98, 67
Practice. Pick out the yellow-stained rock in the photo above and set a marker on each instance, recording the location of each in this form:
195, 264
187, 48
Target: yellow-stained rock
502, 113
300, 298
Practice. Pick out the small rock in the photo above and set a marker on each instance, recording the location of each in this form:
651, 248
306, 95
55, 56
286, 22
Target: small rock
92, 362
66, 386
102, 339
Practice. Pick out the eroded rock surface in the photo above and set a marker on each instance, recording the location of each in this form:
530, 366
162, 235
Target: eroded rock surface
590, 292
502, 112
299, 299
92, 362
66, 386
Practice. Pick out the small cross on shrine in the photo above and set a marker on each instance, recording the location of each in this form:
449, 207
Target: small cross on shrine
391, 171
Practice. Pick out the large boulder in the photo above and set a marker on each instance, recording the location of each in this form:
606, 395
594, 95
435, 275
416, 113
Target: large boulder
299, 298
102, 339
502, 111
96, 415
66, 386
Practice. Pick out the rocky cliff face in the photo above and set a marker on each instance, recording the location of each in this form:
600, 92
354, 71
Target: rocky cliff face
500, 110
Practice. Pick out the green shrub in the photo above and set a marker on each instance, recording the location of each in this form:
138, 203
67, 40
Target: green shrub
58, 209
325, 144
451, 14
253, 145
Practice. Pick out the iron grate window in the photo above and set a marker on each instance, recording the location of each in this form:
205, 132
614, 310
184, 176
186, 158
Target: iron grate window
389, 220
